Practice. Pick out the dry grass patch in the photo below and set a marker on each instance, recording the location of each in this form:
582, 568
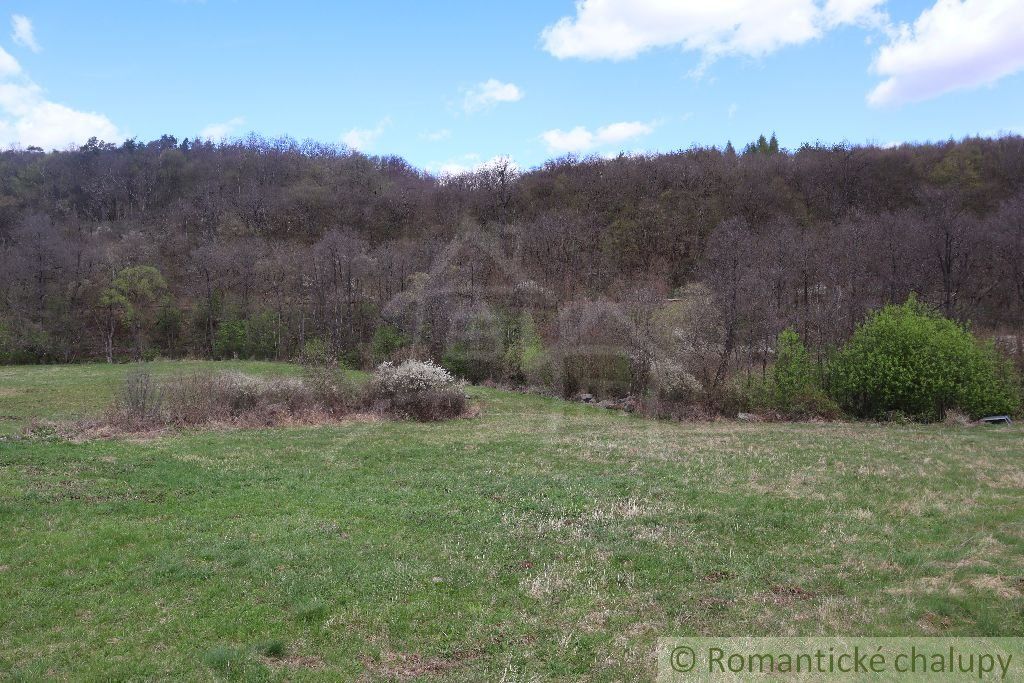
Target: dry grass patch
407, 666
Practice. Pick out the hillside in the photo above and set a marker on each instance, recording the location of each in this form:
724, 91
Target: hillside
253, 248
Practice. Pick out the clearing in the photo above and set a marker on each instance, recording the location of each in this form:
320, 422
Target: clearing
542, 539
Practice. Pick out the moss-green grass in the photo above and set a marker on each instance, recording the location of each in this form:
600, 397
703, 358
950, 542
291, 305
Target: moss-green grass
540, 540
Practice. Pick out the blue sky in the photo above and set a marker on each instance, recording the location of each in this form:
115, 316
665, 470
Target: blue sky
452, 84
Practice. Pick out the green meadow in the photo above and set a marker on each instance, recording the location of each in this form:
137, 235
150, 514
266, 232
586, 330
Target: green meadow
539, 540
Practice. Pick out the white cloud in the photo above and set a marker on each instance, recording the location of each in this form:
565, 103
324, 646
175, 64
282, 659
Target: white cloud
863, 12
953, 45
731, 111
364, 138
28, 118
8, 65
221, 131
581, 139
23, 33
489, 93
621, 29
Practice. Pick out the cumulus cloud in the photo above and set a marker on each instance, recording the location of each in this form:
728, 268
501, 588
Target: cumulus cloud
23, 33
364, 138
955, 44
221, 131
621, 29
489, 93
29, 118
581, 139
8, 65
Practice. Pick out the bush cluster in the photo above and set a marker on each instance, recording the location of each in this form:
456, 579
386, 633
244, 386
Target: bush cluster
418, 389
224, 397
910, 360
413, 389
904, 362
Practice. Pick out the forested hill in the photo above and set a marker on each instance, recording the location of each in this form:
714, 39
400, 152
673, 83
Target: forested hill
175, 247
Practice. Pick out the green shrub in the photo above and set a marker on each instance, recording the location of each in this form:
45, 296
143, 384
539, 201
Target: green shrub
229, 339
387, 340
792, 386
910, 359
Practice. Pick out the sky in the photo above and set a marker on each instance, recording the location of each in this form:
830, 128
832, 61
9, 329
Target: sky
455, 84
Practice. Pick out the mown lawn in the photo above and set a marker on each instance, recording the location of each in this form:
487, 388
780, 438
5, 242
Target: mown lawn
541, 540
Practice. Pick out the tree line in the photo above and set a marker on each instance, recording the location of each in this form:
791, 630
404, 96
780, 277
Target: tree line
269, 248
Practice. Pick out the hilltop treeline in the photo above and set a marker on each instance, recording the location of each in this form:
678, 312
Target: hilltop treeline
263, 248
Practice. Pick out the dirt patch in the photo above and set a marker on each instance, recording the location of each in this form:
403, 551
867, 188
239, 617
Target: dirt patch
294, 662
930, 622
781, 594
406, 666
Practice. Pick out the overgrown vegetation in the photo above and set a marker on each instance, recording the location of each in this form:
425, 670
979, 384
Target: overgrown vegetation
793, 387
417, 390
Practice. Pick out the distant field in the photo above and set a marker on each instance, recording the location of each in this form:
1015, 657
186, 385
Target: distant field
541, 540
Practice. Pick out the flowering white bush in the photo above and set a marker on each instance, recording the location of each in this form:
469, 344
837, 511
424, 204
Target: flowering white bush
413, 376
419, 389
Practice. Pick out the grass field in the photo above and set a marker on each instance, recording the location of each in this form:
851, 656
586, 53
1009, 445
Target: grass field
540, 540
